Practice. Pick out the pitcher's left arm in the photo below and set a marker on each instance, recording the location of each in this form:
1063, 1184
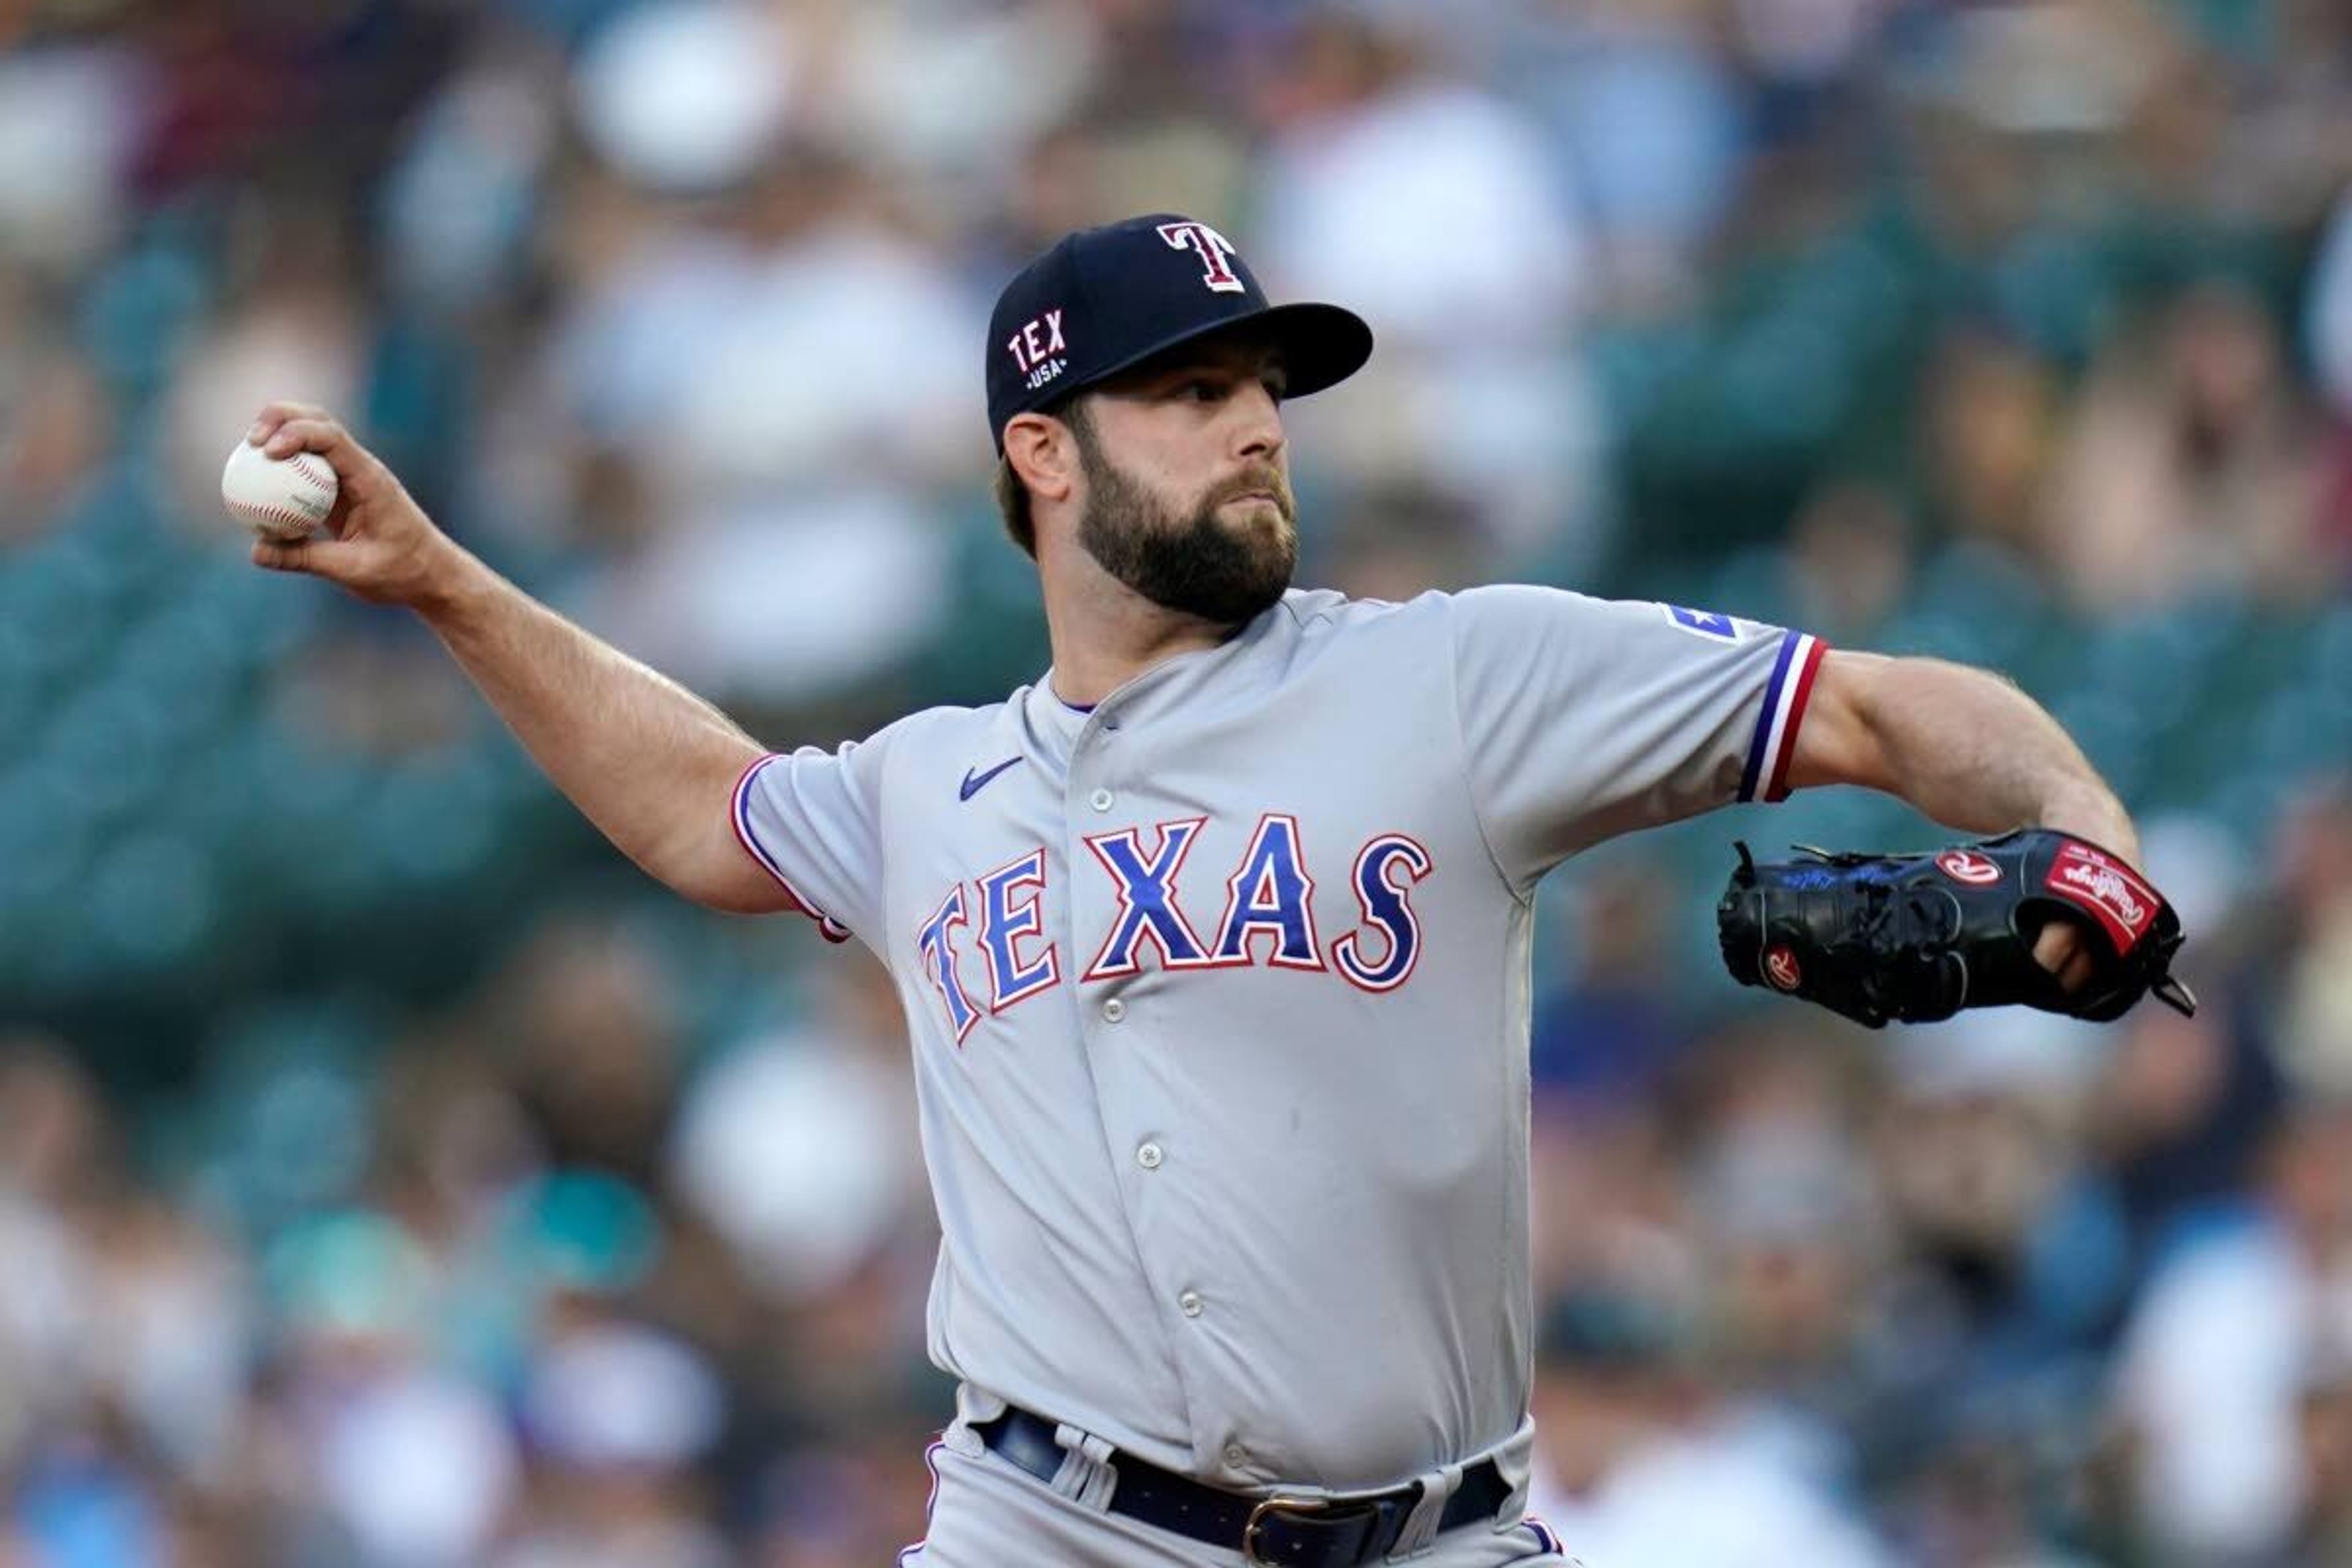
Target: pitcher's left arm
1967, 748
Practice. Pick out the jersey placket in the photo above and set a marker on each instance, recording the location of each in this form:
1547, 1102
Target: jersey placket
1117, 1014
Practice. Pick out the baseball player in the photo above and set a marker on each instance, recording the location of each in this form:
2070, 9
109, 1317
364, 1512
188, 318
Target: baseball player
1214, 943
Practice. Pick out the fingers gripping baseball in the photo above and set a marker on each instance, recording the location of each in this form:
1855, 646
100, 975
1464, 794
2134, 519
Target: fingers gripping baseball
378, 543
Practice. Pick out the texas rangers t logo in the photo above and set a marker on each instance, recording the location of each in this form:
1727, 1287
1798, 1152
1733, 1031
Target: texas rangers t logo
1212, 247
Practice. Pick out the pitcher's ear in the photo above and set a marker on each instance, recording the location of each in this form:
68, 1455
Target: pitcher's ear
1043, 453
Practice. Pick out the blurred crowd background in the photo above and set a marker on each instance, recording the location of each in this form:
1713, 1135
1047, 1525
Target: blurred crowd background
392, 1177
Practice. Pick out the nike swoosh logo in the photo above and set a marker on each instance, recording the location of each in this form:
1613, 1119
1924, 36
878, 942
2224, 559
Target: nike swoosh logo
973, 782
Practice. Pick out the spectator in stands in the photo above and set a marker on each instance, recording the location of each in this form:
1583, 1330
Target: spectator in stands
2191, 466
2242, 1333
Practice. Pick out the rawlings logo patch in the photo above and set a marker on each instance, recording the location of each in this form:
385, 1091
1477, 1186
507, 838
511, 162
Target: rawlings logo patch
1965, 865
1781, 969
2122, 903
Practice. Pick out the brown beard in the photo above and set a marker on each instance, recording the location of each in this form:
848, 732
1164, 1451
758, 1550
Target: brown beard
1193, 563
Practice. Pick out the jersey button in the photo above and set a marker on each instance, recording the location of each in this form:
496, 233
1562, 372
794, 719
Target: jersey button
1101, 800
1149, 1156
1190, 1304
1114, 1010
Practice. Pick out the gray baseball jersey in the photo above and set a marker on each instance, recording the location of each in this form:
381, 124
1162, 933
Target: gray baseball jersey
1219, 1000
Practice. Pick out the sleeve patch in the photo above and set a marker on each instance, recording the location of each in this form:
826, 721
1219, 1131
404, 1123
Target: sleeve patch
1708, 624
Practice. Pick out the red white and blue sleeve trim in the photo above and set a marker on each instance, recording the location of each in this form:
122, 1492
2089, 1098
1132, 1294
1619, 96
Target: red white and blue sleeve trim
740, 809
1766, 776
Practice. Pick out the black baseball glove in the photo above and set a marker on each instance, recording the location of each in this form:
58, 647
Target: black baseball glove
1918, 937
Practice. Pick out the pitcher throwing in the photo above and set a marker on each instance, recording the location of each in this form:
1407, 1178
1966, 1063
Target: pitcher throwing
1214, 942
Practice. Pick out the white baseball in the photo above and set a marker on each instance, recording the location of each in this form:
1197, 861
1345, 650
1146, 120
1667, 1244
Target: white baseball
279, 498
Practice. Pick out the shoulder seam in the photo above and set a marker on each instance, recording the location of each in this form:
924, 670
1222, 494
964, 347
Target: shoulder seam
1325, 613
892, 767
1462, 746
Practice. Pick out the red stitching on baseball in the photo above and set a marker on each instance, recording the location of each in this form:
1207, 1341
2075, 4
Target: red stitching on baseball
275, 513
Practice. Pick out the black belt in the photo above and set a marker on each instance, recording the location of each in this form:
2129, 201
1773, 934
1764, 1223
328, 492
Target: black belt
1289, 1531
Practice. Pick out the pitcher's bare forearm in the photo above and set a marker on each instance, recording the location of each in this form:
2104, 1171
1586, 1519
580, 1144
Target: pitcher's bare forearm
649, 762
1962, 745
645, 759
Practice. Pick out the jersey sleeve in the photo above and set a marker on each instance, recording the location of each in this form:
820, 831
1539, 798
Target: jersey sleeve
1586, 718
812, 819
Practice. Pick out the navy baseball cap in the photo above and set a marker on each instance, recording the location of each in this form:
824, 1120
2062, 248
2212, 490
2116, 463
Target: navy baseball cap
1104, 300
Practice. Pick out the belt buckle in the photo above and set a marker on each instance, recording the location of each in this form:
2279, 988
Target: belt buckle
1274, 1505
